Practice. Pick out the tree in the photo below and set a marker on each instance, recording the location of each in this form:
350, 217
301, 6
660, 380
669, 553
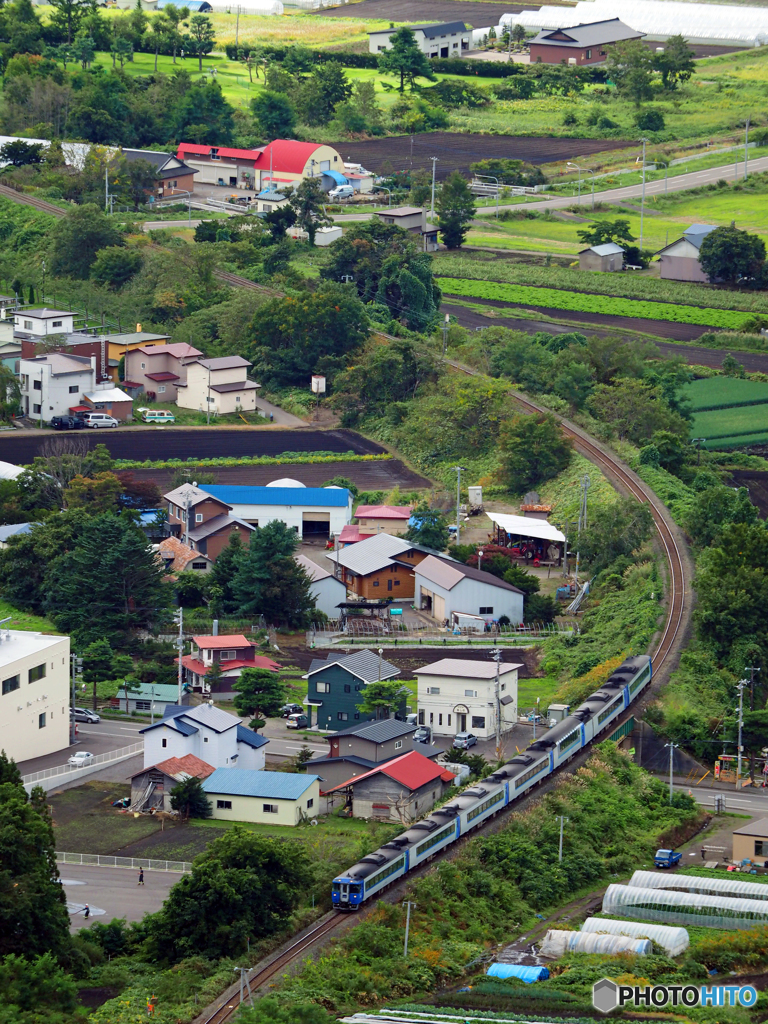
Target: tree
223, 573
97, 494
521, 579
8, 770
260, 694
602, 231
33, 911
732, 367
19, 153
382, 698
76, 239
189, 799
635, 410
455, 210
278, 221
36, 987
201, 38
540, 608
275, 115
429, 528
630, 68
134, 180
203, 112
10, 394
615, 530
174, 16
248, 885
384, 375
115, 266
533, 449
676, 63
404, 58
68, 15
324, 90
121, 49
518, 33
716, 508
84, 48
730, 255
97, 661
158, 36
308, 203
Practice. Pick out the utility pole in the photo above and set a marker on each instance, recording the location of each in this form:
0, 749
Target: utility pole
237, 25
434, 160
535, 716
445, 334
77, 668
381, 651
740, 688
106, 190
642, 198
179, 617
458, 499
751, 669
672, 748
407, 904
746, 150
208, 401
585, 482
562, 819
496, 655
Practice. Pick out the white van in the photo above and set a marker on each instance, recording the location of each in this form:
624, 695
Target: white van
99, 419
341, 192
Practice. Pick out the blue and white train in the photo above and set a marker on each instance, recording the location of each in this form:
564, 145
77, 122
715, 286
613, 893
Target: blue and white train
430, 836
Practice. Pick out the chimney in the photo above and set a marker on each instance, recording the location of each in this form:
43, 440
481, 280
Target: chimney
215, 627
138, 328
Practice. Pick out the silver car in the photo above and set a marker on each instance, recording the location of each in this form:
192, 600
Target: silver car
80, 758
84, 715
464, 740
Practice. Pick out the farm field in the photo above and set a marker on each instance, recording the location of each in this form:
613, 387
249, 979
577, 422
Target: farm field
746, 424
478, 13
721, 393
590, 303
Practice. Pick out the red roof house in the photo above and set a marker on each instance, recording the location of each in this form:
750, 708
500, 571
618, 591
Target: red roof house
401, 790
282, 162
233, 653
383, 518
151, 787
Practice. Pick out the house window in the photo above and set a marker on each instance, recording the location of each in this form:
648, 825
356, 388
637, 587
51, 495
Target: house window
57, 323
589, 54
421, 717
397, 583
9, 685
342, 716
228, 656
27, 325
224, 805
503, 687
759, 847
215, 154
73, 389
433, 689
478, 722
198, 517
357, 716
375, 583
143, 366
41, 721
398, 744
205, 739
439, 719
164, 742
449, 720
323, 687
38, 672
161, 389
37, 385
36, 409
431, 718
347, 688
310, 802
200, 565
143, 705
488, 610
470, 693
270, 808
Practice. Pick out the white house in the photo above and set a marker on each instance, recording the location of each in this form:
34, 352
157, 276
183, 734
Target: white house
220, 385
460, 696
445, 588
41, 322
53, 383
34, 702
316, 512
209, 733
327, 591
444, 39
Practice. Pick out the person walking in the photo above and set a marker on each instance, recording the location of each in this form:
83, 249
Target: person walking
86, 911
141, 877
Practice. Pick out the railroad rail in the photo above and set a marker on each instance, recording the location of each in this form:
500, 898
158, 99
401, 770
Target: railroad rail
231, 1005
24, 200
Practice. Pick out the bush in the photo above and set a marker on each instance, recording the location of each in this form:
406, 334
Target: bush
650, 121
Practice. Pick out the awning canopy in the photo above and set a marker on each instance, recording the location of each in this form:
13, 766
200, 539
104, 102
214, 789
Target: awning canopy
522, 526
337, 177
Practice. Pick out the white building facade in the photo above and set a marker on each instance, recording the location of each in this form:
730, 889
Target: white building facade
209, 733
220, 385
460, 696
445, 588
319, 512
52, 383
327, 591
35, 694
42, 322
443, 39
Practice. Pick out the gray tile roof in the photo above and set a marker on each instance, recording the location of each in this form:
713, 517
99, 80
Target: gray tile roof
446, 573
696, 233
371, 554
212, 717
214, 525
245, 735
594, 33
223, 363
607, 249
363, 664
188, 494
378, 732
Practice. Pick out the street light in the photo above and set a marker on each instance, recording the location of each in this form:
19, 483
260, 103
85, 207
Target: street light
642, 197
586, 170
183, 191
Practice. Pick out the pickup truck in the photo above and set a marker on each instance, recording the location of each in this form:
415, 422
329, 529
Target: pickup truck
667, 859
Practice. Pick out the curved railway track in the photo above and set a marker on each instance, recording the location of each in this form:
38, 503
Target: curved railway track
230, 1006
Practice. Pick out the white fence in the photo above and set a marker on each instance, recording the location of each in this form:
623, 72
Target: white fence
407, 633
133, 863
52, 777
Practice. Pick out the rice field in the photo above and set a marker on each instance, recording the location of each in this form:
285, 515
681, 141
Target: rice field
723, 393
723, 424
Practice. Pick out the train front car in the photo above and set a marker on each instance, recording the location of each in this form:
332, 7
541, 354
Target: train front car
347, 893
371, 875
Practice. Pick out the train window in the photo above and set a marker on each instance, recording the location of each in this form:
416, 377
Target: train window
336, 887
569, 740
531, 773
490, 802
609, 710
354, 890
642, 678
390, 869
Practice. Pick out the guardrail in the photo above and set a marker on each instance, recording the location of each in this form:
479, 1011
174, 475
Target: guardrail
97, 759
133, 863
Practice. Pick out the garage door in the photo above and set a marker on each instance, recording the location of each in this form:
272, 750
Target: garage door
438, 608
316, 524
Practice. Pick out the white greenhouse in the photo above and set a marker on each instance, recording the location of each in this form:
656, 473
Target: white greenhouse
731, 885
674, 940
659, 19
684, 907
250, 7
556, 943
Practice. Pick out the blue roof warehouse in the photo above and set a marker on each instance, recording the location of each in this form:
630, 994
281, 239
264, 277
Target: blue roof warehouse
317, 512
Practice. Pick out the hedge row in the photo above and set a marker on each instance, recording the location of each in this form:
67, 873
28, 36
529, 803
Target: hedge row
278, 53
730, 405
584, 302
286, 459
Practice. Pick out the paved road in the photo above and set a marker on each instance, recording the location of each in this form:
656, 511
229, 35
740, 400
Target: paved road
98, 739
279, 416
113, 892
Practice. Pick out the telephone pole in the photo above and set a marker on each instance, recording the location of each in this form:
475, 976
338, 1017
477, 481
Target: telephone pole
407, 904
562, 820
459, 470
642, 198
740, 688
672, 748
751, 669
434, 160
179, 617
496, 655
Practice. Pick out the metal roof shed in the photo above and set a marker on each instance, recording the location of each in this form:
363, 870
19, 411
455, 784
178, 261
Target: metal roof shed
523, 526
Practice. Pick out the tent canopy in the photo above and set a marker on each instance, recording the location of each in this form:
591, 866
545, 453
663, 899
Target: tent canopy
523, 526
337, 176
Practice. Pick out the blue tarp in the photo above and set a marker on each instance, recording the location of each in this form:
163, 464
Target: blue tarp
526, 974
337, 177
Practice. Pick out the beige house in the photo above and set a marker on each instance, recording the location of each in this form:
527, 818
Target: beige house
413, 220
271, 798
457, 695
34, 697
374, 519
750, 842
159, 369
679, 261
219, 385
605, 258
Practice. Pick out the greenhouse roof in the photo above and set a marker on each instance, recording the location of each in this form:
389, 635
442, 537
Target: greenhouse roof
730, 886
674, 940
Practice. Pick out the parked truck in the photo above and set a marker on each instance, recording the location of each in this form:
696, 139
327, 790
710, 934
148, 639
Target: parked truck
667, 859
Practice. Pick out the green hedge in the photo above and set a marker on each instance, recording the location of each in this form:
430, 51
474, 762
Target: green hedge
586, 303
346, 58
286, 459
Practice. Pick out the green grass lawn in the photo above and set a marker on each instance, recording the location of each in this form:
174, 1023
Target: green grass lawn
529, 689
718, 424
192, 417
719, 393
25, 620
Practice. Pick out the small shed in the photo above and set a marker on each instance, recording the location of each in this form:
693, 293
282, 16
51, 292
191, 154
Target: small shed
605, 258
151, 787
112, 401
750, 842
271, 798
146, 698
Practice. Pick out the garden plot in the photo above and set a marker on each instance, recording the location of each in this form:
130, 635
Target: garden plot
729, 412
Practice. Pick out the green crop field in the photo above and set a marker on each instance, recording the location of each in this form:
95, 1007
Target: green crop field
720, 393
720, 424
584, 302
